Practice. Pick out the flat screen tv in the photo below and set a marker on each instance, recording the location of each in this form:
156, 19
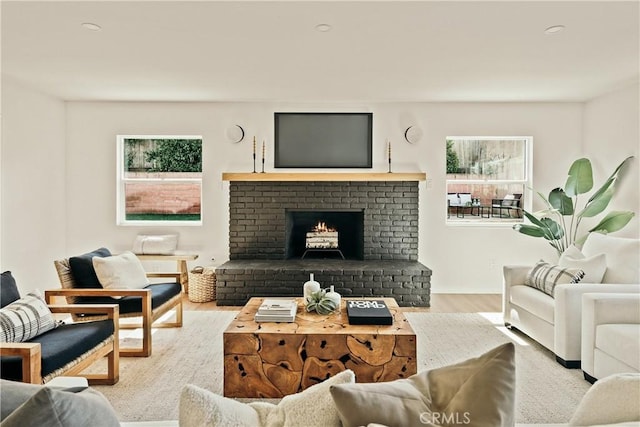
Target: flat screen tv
323, 140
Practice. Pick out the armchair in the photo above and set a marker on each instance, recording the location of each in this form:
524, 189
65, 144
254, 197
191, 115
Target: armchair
610, 334
66, 350
150, 303
510, 203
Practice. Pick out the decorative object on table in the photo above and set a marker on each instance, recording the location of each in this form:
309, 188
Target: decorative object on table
254, 154
309, 287
333, 295
277, 310
389, 154
160, 244
368, 312
263, 153
202, 284
562, 203
319, 303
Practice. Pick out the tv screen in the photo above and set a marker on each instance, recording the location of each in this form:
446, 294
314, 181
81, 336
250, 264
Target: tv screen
323, 140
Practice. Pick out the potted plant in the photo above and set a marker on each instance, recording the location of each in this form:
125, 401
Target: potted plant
559, 223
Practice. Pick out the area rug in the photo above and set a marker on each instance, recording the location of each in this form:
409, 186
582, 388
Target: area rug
149, 388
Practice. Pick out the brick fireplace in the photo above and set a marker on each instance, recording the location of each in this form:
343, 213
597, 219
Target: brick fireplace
378, 226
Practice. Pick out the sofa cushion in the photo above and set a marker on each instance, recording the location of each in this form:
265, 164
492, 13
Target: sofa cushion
160, 294
621, 341
443, 396
545, 276
122, 271
63, 408
613, 399
25, 318
60, 346
84, 275
623, 257
312, 407
8, 289
534, 301
594, 267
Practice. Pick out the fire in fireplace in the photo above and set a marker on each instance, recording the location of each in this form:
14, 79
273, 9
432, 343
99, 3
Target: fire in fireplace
325, 234
322, 238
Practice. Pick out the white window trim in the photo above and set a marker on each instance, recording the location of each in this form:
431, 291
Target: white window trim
527, 182
121, 181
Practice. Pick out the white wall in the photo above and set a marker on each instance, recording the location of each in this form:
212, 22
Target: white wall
612, 133
464, 259
67, 188
33, 192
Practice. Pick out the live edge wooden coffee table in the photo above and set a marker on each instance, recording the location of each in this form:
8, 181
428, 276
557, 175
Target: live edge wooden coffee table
276, 359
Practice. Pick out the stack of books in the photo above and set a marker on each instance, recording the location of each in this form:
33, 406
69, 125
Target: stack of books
368, 312
276, 310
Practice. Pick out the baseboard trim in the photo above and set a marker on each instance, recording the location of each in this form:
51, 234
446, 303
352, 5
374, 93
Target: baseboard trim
589, 377
569, 364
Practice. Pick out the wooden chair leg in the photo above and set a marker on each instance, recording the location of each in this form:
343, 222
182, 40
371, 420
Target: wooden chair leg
145, 351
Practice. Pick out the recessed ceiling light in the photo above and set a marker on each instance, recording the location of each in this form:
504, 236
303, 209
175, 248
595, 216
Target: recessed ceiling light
91, 26
554, 29
323, 28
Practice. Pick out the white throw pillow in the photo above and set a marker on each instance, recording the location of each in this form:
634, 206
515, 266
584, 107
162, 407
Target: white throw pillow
122, 271
613, 399
164, 244
312, 407
594, 267
623, 257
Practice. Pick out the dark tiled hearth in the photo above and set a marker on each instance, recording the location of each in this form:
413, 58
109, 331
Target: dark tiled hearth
385, 264
406, 281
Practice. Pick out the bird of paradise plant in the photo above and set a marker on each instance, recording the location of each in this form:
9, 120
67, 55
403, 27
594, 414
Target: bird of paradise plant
559, 223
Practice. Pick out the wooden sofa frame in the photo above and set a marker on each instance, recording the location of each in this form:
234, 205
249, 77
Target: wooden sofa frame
31, 353
148, 314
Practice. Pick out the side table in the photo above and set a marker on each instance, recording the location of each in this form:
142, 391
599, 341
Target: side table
181, 261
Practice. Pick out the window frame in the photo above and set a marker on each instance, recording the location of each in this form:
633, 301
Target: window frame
527, 183
121, 181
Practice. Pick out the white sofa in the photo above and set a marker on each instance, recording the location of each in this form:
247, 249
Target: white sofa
556, 322
610, 334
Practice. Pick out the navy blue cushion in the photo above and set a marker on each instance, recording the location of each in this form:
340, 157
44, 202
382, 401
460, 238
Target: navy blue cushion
82, 270
60, 346
160, 294
8, 289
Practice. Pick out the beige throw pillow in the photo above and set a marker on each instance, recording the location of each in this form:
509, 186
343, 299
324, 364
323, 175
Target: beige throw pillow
594, 267
122, 271
613, 399
312, 407
443, 397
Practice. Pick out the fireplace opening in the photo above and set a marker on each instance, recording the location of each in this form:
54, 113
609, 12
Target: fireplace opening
324, 234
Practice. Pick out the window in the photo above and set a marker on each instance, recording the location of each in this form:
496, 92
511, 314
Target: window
487, 179
159, 180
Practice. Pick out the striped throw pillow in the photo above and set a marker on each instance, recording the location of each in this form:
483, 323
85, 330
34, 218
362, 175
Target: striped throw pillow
25, 318
544, 277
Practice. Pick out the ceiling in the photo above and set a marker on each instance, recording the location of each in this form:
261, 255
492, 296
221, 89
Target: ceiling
376, 51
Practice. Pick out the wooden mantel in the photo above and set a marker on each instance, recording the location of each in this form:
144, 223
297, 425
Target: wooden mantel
324, 176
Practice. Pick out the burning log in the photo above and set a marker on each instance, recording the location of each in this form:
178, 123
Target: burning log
322, 237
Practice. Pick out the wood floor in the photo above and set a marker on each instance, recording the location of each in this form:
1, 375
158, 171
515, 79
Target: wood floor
440, 303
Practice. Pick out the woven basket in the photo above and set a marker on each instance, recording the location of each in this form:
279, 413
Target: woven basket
202, 284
